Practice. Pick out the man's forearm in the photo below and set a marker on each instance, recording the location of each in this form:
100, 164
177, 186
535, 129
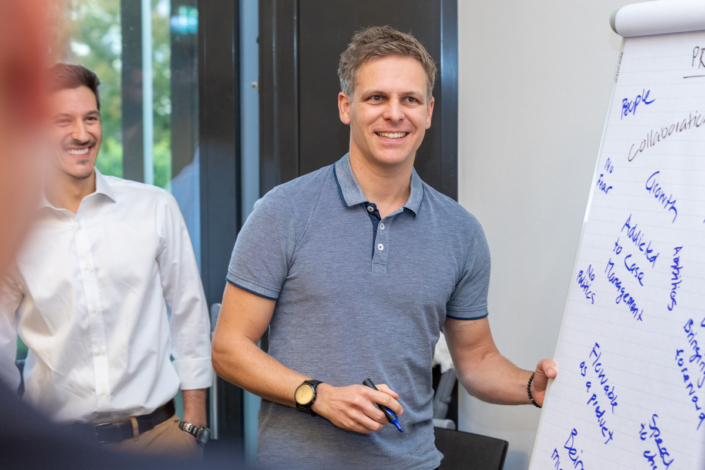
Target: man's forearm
495, 379
243, 363
195, 406
349, 407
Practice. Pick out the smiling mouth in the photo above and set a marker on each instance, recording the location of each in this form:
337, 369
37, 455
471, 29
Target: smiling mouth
78, 152
392, 135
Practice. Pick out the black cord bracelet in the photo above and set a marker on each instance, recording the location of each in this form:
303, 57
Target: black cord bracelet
528, 390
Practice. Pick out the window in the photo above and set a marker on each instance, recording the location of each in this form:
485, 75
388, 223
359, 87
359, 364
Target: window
149, 92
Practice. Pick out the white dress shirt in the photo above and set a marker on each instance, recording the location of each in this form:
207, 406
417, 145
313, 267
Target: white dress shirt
89, 297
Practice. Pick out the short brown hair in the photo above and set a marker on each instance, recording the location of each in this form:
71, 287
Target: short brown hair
377, 42
68, 76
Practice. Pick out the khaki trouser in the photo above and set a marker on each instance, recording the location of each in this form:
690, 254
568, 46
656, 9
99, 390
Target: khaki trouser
165, 438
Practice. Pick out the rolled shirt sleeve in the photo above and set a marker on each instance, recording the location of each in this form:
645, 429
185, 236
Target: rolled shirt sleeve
183, 292
10, 300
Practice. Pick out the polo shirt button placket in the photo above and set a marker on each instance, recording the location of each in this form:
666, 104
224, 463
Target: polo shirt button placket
381, 247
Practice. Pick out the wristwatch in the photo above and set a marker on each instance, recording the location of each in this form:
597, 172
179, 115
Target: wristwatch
201, 434
305, 396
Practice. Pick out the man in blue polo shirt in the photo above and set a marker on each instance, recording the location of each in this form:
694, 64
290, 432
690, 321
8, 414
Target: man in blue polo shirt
355, 268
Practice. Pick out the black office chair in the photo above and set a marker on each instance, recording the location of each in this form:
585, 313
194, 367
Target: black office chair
468, 451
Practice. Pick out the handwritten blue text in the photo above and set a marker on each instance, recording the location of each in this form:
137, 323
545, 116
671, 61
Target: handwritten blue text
637, 237
585, 279
630, 106
677, 277
657, 191
655, 434
623, 295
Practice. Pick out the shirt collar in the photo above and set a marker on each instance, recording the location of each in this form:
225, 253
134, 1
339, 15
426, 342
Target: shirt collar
101, 187
351, 194
416, 194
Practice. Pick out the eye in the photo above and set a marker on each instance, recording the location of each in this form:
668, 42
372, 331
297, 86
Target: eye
376, 98
411, 99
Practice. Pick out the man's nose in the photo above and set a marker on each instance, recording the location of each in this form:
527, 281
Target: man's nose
393, 111
79, 132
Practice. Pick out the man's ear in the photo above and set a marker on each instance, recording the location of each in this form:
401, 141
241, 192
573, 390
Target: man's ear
344, 108
429, 111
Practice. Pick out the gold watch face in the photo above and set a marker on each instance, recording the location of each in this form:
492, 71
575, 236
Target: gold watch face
304, 394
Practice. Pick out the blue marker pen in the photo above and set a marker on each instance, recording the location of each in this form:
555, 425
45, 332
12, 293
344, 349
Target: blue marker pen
387, 412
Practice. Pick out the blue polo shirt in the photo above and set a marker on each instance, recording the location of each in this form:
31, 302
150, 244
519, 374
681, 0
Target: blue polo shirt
356, 298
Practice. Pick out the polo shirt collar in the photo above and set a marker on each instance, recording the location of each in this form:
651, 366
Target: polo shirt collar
101, 187
350, 191
351, 194
416, 194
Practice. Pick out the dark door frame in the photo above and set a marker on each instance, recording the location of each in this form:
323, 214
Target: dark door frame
279, 94
219, 153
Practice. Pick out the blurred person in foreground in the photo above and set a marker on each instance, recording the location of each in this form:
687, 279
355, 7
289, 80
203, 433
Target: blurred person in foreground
90, 290
28, 441
22, 106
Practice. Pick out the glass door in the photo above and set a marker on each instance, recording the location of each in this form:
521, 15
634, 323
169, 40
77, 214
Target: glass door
145, 53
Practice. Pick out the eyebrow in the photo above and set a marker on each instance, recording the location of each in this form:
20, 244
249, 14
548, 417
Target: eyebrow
67, 115
405, 93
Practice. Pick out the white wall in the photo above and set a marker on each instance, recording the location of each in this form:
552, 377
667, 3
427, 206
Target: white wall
535, 81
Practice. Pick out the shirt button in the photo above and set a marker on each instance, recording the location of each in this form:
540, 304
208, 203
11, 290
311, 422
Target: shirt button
380, 247
99, 351
381, 226
79, 226
103, 393
95, 309
88, 267
370, 209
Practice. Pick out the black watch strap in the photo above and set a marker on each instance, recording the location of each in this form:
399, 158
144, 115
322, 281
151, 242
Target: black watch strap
306, 407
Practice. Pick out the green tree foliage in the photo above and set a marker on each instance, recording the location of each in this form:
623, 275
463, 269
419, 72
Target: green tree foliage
96, 43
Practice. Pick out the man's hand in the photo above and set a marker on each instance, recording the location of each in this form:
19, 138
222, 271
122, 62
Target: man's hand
546, 369
353, 407
244, 318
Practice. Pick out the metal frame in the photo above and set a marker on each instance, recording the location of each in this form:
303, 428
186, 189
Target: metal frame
220, 172
449, 94
131, 79
278, 85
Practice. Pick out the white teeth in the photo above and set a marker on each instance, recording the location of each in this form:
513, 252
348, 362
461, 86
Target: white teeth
392, 135
78, 152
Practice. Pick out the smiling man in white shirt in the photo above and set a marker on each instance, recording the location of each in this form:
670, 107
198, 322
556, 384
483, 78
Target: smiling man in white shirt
90, 291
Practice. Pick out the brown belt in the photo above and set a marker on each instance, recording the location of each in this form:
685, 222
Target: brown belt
120, 430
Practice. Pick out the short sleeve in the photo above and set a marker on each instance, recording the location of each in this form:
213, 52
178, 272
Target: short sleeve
469, 299
264, 247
